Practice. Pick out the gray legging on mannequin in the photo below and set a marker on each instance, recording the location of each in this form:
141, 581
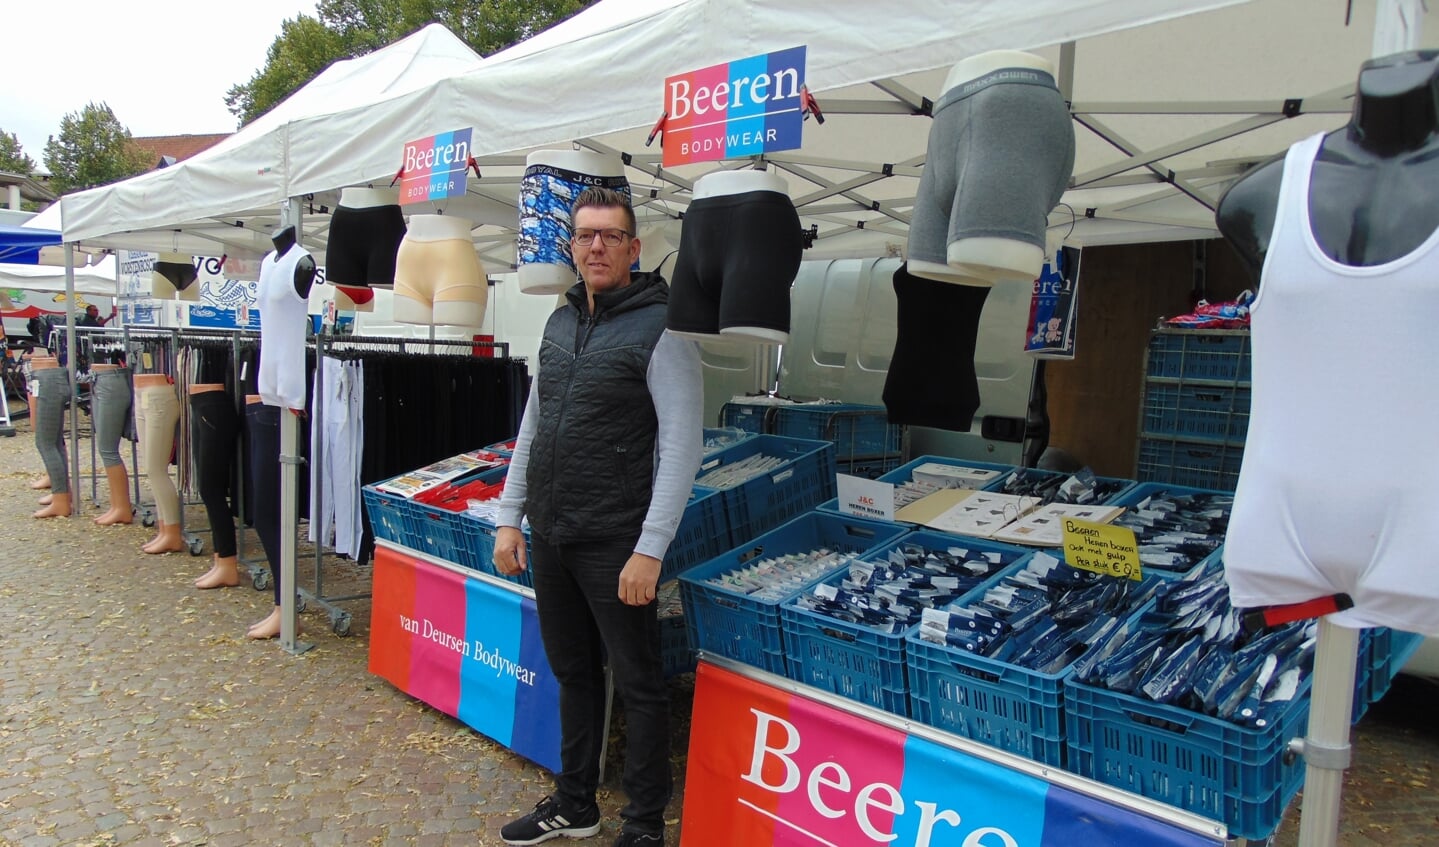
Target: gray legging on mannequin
157, 411
112, 399
54, 394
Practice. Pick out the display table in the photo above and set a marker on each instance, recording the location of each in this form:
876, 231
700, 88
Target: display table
467, 644
773, 762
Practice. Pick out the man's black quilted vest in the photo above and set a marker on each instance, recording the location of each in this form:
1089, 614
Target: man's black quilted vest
592, 461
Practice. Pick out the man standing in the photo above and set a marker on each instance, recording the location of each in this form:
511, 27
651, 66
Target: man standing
603, 468
92, 317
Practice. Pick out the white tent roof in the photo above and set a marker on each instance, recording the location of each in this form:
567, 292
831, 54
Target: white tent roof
96, 280
229, 194
1173, 99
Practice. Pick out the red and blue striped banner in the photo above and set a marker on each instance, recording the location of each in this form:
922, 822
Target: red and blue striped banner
740, 108
469, 648
767, 768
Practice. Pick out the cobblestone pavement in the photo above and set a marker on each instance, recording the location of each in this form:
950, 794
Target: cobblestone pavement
133, 711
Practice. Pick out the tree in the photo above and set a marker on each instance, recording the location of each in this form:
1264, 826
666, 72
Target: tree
93, 148
12, 156
350, 28
303, 48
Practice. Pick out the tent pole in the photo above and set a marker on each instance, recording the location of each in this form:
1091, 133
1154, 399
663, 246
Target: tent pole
290, 460
70, 364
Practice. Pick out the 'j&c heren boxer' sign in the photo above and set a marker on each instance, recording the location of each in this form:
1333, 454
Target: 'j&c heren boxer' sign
739, 108
434, 166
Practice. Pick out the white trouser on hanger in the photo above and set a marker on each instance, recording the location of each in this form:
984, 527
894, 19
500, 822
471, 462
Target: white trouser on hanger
336, 479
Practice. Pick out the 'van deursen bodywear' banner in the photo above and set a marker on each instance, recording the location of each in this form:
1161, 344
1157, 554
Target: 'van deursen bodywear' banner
467, 647
768, 768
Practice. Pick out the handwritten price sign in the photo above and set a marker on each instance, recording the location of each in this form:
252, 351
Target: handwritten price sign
1100, 548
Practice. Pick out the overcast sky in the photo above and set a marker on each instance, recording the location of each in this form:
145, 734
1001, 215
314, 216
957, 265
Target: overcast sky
163, 65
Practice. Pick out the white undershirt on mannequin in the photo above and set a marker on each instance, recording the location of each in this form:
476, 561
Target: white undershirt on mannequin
983, 261
368, 198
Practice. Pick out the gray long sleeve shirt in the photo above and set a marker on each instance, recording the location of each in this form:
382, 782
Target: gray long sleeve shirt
676, 387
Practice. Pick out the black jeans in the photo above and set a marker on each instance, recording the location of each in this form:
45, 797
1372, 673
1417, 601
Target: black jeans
214, 427
262, 424
577, 595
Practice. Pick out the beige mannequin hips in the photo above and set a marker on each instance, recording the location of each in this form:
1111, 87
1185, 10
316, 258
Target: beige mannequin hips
365, 198
986, 260
543, 278
161, 288
454, 303
725, 183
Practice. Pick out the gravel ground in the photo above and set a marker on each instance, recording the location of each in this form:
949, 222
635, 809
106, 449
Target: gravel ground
134, 711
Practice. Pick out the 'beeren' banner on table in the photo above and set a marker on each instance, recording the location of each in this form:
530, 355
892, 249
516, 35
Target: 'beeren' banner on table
768, 768
740, 108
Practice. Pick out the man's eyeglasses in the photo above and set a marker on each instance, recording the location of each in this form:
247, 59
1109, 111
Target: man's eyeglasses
610, 237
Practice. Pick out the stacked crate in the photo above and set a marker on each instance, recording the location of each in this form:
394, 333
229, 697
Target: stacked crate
1195, 412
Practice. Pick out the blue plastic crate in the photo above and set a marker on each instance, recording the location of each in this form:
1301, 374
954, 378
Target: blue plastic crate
868, 468
753, 418
1204, 412
1389, 650
718, 438
701, 535
802, 481
676, 657
480, 546
860, 662
1244, 777
745, 629
1122, 486
1221, 355
1190, 463
503, 448
1007, 706
905, 473
387, 515
857, 431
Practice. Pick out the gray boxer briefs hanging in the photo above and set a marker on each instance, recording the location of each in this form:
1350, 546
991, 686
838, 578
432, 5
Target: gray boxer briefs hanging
1001, 151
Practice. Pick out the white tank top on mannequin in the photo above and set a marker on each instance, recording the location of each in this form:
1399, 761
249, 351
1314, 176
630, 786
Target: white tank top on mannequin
283, 316
984, 261
544, 278
1336, 491
721, 184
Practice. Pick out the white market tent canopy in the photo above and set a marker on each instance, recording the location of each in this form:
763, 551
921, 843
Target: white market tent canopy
227, 197
97, 280
1172, 101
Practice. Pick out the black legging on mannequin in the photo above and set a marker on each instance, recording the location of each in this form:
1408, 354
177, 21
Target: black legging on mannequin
214, 427
262, 426
931, 380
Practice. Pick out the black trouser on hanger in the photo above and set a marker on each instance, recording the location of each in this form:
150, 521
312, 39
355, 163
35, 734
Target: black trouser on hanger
262, 425
214, 426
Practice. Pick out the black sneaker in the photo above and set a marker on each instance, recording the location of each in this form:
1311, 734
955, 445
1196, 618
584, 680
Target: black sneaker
630, 838
547, 821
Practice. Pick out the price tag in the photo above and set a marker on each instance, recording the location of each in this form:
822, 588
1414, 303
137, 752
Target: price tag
1100, 548
146, 360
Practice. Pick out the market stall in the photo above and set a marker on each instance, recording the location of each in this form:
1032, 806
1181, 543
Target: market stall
1154, 151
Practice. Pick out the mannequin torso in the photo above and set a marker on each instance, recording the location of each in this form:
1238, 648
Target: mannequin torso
283, 239
368, 198
1373, 185
720, 183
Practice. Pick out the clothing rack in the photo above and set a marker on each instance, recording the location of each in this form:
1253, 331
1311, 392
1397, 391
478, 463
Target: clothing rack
238, 341
350, 348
